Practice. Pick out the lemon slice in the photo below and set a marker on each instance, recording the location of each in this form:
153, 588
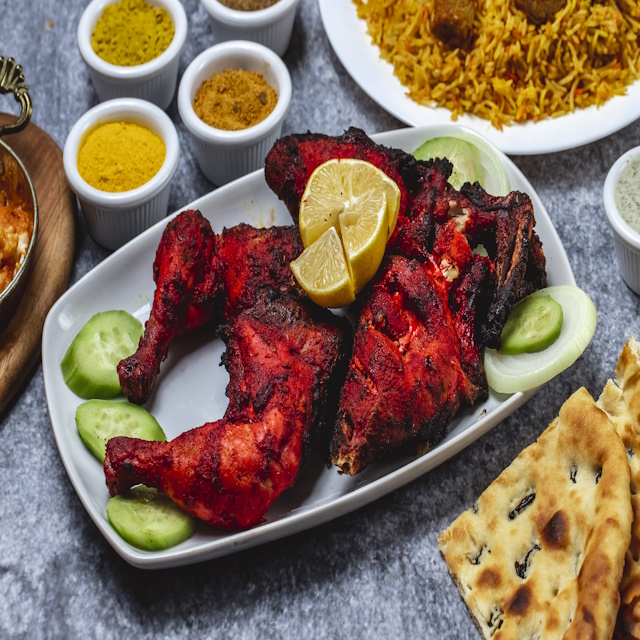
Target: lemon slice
345, 186
364, 237
321, 270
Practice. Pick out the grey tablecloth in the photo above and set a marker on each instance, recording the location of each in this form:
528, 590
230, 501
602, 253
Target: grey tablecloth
374, 573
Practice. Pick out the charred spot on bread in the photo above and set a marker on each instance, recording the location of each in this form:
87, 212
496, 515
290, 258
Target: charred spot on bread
556, 532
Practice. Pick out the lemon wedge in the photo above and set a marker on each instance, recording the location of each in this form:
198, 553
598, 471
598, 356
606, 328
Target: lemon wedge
321, 270
345, 186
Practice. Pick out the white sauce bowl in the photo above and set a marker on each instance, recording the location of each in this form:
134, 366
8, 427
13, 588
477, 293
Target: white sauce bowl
271, 27
224, 155
155, 80
626, 240
115, 218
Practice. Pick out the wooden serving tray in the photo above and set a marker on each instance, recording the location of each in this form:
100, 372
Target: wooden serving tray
20, 340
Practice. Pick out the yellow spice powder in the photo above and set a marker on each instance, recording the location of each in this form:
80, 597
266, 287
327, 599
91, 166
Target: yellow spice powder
132, 32
234, 99
120, 156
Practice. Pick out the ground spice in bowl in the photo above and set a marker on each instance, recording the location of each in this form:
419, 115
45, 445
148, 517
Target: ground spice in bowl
132, 32
234, 99
248, 5
120, 156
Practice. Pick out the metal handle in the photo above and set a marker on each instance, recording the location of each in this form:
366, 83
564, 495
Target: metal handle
12, 81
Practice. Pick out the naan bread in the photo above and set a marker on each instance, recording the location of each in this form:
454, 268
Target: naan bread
540, 555
622, 402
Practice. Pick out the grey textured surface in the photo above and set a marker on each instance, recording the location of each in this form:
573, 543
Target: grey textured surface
374, 573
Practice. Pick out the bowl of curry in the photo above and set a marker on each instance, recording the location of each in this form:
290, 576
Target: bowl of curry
18, 204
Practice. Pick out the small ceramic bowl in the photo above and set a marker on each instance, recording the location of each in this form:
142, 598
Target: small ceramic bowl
626, 240
115, 218
155, 80
223, 155
271, 27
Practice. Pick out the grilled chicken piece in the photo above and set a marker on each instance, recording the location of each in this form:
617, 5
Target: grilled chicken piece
203, 277
253, 262
284, 365
406, 379
293, 159
187, 294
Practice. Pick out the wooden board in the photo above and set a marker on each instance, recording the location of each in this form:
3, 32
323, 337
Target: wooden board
21, 339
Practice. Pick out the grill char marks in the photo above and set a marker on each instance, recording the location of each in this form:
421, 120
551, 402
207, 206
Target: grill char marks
405, 379
438, 227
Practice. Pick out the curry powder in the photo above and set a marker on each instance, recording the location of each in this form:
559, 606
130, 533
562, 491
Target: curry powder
132, 32
120, 156
234, 99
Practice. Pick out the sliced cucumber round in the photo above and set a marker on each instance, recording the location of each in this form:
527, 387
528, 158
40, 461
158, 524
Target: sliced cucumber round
100, 420
533, 324
89, 366
511, 373
473, 160
148, 519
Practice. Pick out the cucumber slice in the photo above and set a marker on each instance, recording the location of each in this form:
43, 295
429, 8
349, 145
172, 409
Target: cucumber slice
533, 324
89, 366
100, 420
148, 519
461, 154
511, 373
486, 165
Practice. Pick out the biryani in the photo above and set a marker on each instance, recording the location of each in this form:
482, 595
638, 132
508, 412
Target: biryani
511, 70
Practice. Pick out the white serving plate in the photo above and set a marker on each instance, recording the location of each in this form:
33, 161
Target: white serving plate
190, 389
353, 46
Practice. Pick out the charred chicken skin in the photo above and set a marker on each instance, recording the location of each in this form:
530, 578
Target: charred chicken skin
282, 359
202, 277
406, 379
434, 304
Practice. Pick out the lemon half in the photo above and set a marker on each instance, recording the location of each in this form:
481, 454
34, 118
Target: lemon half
348, 204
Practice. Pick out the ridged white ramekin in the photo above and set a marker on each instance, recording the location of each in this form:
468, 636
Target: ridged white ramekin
271, 27
222, 155
626, 240
115, 218
155, 80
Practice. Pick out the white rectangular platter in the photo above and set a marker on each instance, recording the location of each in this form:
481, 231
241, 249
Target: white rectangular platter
190, 388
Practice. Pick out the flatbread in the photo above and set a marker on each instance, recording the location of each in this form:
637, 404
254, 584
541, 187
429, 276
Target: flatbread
541, 554
621, 401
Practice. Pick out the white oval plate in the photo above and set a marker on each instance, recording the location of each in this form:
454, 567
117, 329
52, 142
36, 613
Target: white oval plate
349, 39
190, 389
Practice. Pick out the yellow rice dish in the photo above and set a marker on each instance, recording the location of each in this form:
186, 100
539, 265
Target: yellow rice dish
512, 71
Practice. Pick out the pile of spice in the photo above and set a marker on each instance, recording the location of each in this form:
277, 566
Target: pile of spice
248, 5
132, 32
120, 156
234, 99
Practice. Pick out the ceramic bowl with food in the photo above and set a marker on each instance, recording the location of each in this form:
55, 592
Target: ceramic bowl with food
17, 192
622, 206
155, 80
271, 26
226, 155
114, 218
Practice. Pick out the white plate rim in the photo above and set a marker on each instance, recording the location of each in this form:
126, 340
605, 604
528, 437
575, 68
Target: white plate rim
360, 58
559, 272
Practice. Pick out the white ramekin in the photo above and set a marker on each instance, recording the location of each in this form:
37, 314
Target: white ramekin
155, 80
271, 26
222, 155
626, 240
115, 218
